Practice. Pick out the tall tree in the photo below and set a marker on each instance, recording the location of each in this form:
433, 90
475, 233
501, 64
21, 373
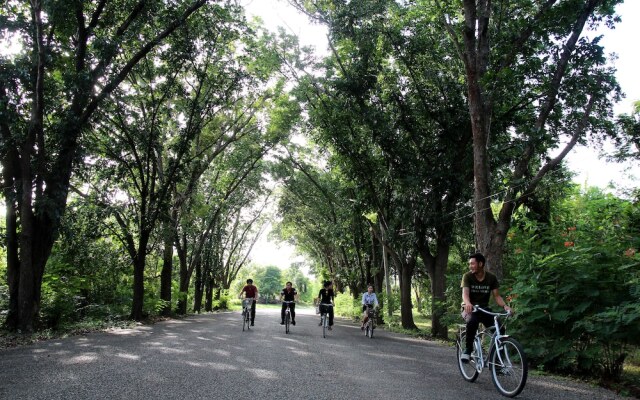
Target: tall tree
535, 83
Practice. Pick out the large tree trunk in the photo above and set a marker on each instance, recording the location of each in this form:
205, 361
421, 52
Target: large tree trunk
406, 306
184, 283
436, 267
138, 288
197, 301
438, 290
139, 264
208, 302
166, 276
13, 261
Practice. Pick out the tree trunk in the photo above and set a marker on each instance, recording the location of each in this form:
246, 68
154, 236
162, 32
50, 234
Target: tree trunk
438, 290
13, 261
406, 307
184, 285
138, 288
197, 301
208, 302
166, 276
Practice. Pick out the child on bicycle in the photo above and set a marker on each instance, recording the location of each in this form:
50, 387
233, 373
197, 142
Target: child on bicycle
288, 294
369, 300
477, 287
327, 296
250, 292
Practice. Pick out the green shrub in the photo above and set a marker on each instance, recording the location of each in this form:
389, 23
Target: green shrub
347, 306
575, 286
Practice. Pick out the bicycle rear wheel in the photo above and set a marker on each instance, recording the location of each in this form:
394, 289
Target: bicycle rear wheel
287, 321
467, 369
244, 319
508, 366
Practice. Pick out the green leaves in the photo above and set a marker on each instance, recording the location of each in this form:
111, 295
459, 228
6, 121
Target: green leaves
575, 283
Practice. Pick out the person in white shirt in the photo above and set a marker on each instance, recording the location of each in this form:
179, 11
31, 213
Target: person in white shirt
369, 300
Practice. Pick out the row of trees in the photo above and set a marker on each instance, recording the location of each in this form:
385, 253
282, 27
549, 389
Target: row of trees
438, 121
140, 127
436, 112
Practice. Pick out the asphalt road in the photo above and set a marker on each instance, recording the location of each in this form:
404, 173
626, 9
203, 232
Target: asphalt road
209, 357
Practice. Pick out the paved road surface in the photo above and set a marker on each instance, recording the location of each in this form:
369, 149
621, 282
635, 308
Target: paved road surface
209, 357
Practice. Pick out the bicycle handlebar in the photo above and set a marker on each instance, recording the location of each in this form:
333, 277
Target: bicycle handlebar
326, 304
288, 302
505, 314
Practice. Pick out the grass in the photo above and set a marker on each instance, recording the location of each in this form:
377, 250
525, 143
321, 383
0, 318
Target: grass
12, 339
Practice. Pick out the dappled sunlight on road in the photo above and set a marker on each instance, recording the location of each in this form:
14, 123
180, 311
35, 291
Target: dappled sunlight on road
128, 356
262, 373
213, 365
80, 359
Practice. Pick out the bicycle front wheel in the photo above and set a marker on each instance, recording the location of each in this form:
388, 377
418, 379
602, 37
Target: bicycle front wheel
508, 366
287, 321
324, 326
467, 369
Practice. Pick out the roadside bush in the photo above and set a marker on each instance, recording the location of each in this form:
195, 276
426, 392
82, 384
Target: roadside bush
575, 285
347, 306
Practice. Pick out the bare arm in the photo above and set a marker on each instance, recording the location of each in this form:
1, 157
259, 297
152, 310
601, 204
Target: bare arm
499, 300
468, 307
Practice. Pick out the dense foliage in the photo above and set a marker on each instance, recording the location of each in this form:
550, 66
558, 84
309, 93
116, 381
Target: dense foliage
575, 283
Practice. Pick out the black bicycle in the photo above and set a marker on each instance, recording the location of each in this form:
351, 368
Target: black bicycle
501, 354
371, 322
287, 316
324, 318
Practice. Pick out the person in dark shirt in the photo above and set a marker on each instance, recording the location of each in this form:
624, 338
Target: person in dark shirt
326, 296
477, 287
250, 292
288, 294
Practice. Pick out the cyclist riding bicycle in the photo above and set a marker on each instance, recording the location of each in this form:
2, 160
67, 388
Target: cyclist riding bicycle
369, 300
477, 287
326, 296
250, 292
288, 294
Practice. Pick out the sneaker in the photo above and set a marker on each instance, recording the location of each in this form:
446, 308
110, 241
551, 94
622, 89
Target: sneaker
281, 322
465, 357
320, 324
330, 328
293, 322
251, 323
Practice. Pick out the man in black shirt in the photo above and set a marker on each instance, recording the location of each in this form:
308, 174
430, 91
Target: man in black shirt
477, 287
326, 296
288, 294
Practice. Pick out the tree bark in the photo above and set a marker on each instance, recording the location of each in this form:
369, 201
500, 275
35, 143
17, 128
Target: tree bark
166, 276
406, 306
197, 298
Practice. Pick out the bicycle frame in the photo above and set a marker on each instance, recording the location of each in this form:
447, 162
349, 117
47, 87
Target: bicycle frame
495, 336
